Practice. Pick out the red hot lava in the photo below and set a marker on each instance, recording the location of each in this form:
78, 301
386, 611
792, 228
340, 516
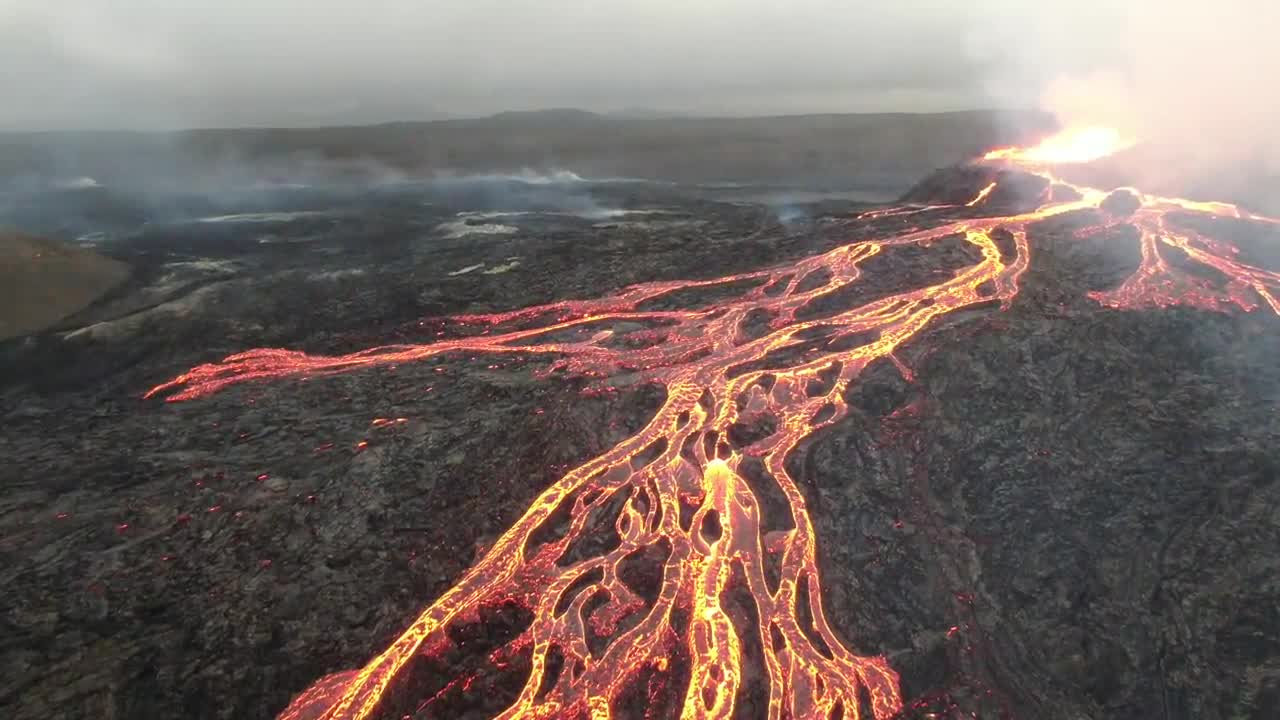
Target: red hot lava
676, 486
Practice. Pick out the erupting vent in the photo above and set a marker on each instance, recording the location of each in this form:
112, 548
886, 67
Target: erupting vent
776, 358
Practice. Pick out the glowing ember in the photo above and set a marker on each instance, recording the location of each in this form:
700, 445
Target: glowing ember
1080, 145
678, 488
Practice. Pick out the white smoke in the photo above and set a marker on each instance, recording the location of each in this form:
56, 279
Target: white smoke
1198, 83
80, 183
1192, 81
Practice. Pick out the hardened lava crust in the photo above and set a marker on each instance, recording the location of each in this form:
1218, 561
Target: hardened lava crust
1036, 460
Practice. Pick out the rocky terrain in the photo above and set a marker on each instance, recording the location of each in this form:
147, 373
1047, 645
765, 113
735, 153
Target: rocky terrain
1067, 511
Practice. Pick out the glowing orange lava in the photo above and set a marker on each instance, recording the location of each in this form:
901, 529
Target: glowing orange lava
1078, 145
677, 487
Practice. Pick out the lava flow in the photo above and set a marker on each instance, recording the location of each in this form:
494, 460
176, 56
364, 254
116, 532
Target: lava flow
728, 583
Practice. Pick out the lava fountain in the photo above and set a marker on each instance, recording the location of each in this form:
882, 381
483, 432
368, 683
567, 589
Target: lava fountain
678, 491
1077, 145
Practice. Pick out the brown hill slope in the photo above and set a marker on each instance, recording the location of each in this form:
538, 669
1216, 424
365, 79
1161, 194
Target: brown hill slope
43, 281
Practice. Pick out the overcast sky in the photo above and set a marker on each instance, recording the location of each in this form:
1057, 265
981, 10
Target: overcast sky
184, 63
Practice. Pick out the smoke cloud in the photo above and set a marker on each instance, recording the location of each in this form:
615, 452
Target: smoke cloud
1191, 81
160, 64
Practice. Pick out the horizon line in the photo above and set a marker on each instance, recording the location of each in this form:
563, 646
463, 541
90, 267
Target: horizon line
634, 115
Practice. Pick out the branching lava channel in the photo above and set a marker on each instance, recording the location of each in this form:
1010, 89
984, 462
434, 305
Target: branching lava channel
677, 483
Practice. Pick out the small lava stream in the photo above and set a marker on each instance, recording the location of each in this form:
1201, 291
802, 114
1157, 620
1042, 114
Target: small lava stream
676, 490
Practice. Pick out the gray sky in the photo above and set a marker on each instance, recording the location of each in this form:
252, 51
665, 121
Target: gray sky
201, 63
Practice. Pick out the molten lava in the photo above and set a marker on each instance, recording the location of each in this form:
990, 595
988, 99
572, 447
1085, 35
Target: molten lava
678, 487
1079, 145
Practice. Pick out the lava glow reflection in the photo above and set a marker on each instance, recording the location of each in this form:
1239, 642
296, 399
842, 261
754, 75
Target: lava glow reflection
678, 489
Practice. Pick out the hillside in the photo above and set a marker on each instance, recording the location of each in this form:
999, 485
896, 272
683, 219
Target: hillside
43, 281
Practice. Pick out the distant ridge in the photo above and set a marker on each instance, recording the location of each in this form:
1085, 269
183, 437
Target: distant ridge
889, 151
543, 116
639, 113
547, 116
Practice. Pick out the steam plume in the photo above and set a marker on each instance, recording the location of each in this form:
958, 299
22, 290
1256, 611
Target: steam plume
1193, 81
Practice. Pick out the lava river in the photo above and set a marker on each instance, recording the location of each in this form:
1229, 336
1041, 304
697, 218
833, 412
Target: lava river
676, 493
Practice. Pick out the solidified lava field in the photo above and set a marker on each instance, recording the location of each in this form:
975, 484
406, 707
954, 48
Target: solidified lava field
1032, 486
